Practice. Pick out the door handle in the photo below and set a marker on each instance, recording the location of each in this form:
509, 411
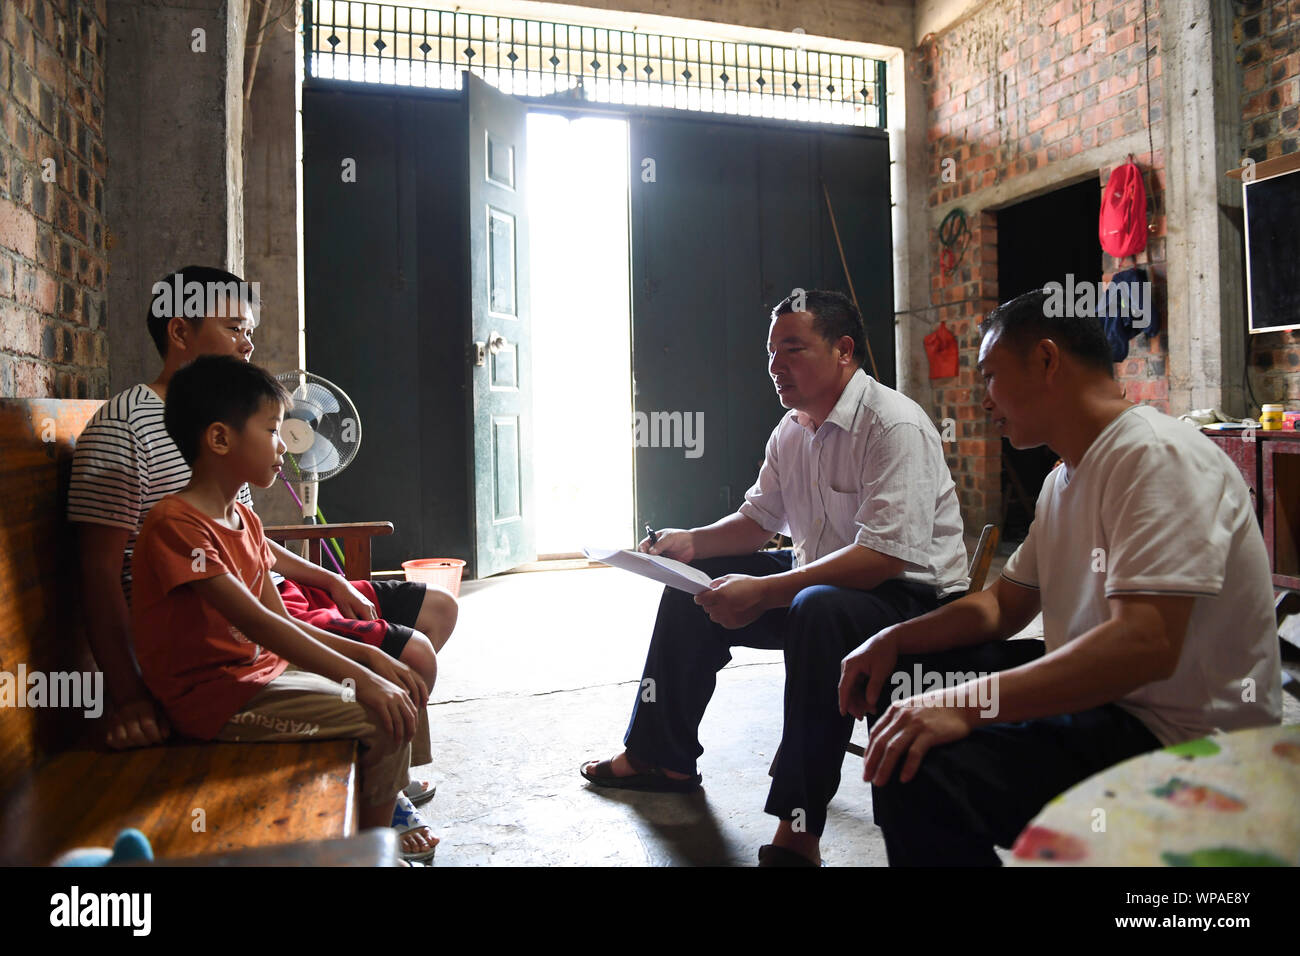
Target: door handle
495, 343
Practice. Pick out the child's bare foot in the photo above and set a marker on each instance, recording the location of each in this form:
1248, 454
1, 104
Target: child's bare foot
415, 842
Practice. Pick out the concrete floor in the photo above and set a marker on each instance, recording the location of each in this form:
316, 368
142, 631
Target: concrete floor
540, 677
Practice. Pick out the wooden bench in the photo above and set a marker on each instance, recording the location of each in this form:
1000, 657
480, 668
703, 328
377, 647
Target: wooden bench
60, 787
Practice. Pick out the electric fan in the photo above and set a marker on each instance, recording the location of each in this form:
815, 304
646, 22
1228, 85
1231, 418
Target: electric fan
322, 432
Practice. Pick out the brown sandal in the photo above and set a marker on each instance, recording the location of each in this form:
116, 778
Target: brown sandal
647, 778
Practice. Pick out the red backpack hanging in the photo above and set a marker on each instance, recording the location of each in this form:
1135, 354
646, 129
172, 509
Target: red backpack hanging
1122, 226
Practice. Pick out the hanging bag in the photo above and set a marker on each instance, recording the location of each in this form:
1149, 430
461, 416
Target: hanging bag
941, 350
1122, 226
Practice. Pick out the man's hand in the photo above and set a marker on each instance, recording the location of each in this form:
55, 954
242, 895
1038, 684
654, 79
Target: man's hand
911, 727
390, 704
672, 543
734, 600
398, 673
137, 723
863, 674
352, 603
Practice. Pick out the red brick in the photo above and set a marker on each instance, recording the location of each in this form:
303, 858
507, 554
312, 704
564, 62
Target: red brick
17, 229
1121, 38
81, 354
1057, 131
32, 379
21, 330
47, 292
51, 69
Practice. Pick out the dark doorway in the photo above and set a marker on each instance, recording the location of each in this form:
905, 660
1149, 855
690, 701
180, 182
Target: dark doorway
1042, 240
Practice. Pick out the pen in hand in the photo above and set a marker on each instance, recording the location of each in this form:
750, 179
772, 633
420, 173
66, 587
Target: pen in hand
654, 538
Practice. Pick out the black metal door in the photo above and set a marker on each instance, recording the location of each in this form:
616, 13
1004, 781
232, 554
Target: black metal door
727, 219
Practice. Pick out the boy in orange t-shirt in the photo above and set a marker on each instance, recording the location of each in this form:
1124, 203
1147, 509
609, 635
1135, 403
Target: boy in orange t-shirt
216, 647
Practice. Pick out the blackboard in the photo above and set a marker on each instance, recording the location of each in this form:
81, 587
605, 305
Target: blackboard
1272, 209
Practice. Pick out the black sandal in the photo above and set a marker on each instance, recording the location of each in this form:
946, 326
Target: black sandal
769, 854
647, 778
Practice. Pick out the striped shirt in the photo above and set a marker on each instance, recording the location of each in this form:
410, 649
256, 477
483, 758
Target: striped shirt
123, 464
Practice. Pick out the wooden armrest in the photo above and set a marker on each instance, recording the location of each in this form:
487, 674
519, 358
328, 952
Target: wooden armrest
355, 538
312, 532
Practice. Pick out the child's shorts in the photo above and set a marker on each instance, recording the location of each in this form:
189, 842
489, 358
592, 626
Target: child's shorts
398, 603
300, 705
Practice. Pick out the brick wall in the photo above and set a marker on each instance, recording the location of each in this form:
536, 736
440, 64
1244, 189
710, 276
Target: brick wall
52, 166
1268, 37
1019, 88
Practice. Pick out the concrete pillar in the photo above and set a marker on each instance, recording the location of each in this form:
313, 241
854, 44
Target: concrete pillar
174, 131
911, 189
273, 215
1206, 314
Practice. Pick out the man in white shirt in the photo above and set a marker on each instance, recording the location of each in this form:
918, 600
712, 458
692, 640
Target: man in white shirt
1147, 562
855, 475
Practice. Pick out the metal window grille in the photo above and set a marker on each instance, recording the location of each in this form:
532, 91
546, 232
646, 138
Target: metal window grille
406, 46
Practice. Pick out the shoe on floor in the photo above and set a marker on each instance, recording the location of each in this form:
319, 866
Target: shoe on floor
769, 854
418, 794
648, 779
405, 819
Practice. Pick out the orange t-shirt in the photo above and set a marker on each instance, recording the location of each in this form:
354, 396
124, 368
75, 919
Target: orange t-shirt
198, 665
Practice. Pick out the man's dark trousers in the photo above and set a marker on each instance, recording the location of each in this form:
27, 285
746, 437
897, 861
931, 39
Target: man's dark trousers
819, 628
985, 788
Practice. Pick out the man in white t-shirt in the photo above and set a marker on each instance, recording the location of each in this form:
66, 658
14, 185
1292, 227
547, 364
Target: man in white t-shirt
1147, 563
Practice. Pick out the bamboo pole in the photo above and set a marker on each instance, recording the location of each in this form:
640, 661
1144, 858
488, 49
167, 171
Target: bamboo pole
844, 262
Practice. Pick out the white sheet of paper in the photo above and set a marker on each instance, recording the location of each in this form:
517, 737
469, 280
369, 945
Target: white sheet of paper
675, 574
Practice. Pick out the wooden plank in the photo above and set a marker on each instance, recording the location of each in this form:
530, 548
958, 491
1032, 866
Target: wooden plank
356, 559
305, 532
1268, 167
40, 626
250, 794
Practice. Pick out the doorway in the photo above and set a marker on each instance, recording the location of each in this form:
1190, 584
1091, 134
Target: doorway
1051, 238
582, 340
